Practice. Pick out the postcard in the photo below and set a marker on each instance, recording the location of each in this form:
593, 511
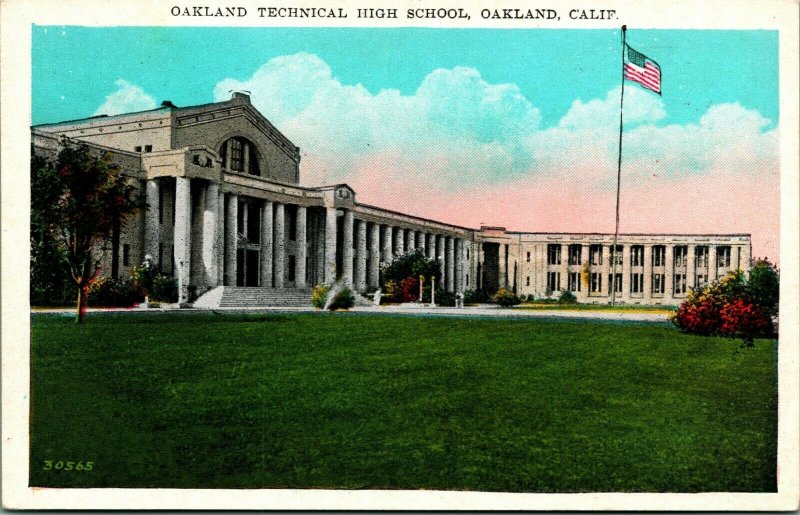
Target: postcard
441, 256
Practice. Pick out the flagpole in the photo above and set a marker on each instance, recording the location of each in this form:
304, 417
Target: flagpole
613, 285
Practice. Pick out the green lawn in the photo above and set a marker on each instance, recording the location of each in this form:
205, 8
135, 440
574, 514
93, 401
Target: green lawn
366, 401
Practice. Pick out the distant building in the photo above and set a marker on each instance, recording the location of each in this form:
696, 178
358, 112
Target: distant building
225, 208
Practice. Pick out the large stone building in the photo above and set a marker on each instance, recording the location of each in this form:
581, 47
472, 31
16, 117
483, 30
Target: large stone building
227, 217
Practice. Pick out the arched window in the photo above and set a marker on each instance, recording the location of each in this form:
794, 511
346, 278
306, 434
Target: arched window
239, 155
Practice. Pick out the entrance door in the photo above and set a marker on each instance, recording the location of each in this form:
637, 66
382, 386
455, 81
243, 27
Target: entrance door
248, 250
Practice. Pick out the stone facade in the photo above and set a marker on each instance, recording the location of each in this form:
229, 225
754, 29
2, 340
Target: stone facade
225, 208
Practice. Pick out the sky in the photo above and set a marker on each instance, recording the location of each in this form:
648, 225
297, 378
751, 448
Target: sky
518, 128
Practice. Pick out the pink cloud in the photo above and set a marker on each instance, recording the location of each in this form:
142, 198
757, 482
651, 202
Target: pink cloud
719, 201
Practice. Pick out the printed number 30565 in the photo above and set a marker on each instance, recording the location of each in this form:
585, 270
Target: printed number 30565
68, 465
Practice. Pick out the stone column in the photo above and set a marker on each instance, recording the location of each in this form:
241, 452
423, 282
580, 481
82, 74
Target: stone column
302, 248
374, 256
647, 285
712, 263
691, 273
399, 243
450, 268
502, 266
387, 244
669, 271
231, 239
626, 272
459, 265
564, 269
267, 245
330, 245
347, 249
430, 246
220, 245
412, 240
606, 289
584, 291
440, 256
183, 236
422, 243
245, 158
210, 235
279, 260
152, 226
360, 272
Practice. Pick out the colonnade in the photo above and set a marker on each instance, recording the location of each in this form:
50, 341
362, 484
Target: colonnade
323, 249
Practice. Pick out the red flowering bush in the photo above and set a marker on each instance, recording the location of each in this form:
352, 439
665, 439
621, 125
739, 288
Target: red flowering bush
746, 320
409, 289
728, 307
701, 317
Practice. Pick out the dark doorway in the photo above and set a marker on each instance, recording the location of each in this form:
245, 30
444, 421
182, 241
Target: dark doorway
491, 267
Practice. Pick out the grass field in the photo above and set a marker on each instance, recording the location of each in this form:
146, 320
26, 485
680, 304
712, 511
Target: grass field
367, 401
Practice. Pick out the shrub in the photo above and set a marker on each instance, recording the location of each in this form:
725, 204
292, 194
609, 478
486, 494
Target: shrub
764, 286
445, 298
745, 320
505, 298
728, 306
701, 317
412, 264
319, 295
109, 292
567, 297
475, 296
343, 299
165, 289
409, 289
392, 291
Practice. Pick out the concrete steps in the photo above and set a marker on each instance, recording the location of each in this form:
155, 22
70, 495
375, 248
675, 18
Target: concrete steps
251, 297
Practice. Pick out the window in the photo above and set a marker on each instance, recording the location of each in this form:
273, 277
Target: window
637, 255
679, 284
137, 148
528, 281
148, 148
126, 255
574, 281
658, 283
553, 281
659, 255
240, 155
637, 283
596, 254
617, 254
574, 254
681, 252
528, 257
596, 283
466, 279
702, 280
723, 257
553, 254
701, 256
617, 282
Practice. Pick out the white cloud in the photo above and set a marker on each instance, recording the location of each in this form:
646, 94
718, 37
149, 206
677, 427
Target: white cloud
457, 131
126, 99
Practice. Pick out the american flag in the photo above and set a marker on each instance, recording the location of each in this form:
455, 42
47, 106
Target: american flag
640, 68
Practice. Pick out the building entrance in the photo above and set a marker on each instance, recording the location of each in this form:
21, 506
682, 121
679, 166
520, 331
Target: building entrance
248, 244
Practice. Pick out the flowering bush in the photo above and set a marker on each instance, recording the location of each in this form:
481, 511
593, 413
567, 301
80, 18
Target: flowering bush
108, 292
409, 289
319, 295
745, 320
727, 307
700, 317
505, 298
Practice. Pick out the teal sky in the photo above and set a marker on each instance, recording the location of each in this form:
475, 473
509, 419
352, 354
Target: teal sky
75, 68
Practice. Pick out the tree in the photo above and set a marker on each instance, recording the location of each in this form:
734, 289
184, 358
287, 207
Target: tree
764, 285
75, 207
